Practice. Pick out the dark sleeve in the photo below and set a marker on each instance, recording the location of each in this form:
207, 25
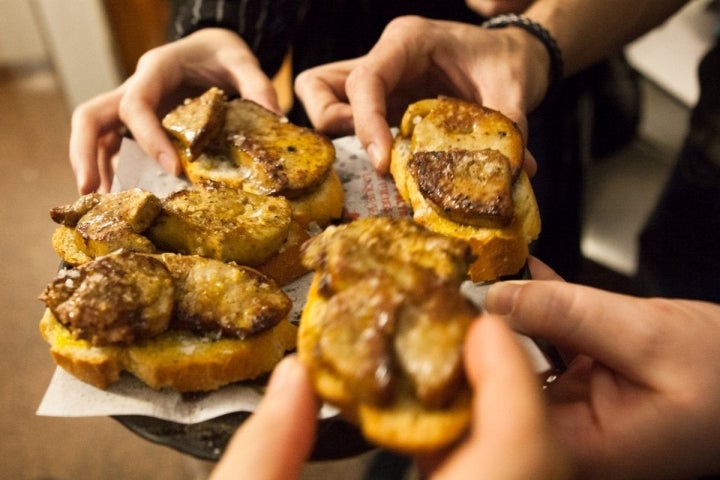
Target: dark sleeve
267, 26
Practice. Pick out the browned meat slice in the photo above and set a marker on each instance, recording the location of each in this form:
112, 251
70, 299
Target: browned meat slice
116, 299
198, 122
428, 343
224, 298
472, 187
356, 339
367, 246
69, 215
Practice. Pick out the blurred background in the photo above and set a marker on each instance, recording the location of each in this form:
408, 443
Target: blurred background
55, 54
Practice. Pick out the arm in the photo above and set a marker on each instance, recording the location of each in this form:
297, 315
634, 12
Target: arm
640, 399
588, 31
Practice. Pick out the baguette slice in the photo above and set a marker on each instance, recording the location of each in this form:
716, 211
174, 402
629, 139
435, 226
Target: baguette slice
178, 360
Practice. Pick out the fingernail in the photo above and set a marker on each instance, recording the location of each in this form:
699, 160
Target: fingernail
502, 296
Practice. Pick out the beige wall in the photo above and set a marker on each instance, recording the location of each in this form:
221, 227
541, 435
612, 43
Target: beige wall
20, 40
73, 34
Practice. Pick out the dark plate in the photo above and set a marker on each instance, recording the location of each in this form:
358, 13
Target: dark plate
207, 440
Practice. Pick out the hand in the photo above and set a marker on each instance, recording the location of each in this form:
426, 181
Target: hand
641, 398
277, 438
164, 77
505, 69
510, 436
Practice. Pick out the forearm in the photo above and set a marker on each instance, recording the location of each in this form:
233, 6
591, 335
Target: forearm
588, 30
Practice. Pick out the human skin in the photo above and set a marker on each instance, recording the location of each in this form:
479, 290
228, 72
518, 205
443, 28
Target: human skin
509, 437
505, 69
640, 398
163, 78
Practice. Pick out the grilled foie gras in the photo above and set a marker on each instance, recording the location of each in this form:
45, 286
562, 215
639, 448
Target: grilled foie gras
118, 299
383, 329
245, 145
471, 187
217, 221
97, 224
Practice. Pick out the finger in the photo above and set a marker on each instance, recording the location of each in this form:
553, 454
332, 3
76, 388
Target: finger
90, 122
507, 404
322, 91
375, 77
606, 326
283, 426
138, 110
501, 373
108, 147
367, 93
252, 84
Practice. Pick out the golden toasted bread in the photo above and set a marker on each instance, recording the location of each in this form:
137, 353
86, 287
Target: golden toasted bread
459, 166
175, 359
383, 327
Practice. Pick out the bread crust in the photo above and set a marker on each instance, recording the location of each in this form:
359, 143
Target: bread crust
500, 251
176, 360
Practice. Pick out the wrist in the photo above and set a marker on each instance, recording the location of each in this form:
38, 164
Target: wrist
540, 40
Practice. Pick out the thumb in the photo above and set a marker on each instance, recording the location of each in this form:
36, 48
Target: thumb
502, 377
284, 424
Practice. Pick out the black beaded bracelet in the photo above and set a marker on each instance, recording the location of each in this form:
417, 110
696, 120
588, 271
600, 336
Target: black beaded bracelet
541, 33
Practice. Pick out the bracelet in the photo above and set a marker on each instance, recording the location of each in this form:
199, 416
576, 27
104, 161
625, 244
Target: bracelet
541, 33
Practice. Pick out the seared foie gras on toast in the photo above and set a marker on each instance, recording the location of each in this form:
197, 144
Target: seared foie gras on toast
97, 224
459, 166
208, 219
248, 147
183, 322
383, 328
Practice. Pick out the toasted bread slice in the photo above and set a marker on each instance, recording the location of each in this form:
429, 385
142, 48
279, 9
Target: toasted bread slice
442, 124
502, 249
178, 360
